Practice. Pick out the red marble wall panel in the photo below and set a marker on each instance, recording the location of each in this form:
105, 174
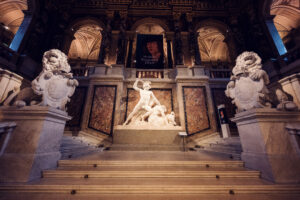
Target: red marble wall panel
102, 112
75, 106
164, 96
195, 108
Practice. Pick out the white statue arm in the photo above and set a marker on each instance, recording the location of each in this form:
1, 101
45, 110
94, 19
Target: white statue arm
135, 85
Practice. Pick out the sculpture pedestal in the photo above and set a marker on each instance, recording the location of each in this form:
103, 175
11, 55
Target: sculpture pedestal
267, 145
291, 85
34, 144
146, 137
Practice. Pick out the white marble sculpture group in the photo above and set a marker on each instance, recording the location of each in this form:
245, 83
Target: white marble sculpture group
148, 112
247, 86
55, 84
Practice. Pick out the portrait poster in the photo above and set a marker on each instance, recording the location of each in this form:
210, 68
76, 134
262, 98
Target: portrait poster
149, 52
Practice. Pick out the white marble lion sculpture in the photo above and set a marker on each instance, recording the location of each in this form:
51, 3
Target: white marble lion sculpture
55, 84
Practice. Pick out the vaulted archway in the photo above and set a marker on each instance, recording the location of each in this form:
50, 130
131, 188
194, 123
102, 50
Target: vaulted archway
85, 46
214, 47
11, 17
287, 20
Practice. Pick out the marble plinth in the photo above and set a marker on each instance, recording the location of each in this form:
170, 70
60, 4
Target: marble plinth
9, 82
291, 85
34, 144
146, 136
267, 145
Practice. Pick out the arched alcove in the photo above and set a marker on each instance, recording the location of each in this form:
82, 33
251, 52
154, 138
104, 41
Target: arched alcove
287, 20
211, 41
85, 46
11, 17
150, 26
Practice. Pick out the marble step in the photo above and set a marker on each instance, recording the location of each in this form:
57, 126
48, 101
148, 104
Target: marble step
78, 153
151, 181
224, 148
229, 145
225, 141
73, 148
85, 189
231, 140
150, 174
141, 147
75, 195
147, 163
230, 155
150, 168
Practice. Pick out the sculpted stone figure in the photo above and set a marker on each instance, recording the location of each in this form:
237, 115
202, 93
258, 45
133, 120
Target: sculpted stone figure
55, 84
149, 111
284, 103
147, 100
247, 86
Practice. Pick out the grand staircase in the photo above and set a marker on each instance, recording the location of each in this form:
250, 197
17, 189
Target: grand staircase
150, 175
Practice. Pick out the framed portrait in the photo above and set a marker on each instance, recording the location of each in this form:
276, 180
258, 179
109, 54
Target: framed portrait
149, 52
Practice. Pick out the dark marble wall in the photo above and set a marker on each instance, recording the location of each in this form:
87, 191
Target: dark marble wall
164, 96
195, 108
75, 107
103, 106
219, 97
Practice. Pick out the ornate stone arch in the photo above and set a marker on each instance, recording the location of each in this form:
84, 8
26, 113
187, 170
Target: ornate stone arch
86, 20
83, 39
287, 20
150, 20
12, 14
219, 33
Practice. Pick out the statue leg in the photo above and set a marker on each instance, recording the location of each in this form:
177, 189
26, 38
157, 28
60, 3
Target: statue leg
135, 110
148, 113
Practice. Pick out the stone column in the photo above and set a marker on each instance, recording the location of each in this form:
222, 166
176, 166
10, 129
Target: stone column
34, 144
266, 143
170, 61
122, 40
69, 37
129, 55
169, 38
177, 39
291, 85
106, 39
193, 41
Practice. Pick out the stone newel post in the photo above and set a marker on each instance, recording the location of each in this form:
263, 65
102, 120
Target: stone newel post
267, 144
34, 144
267, 141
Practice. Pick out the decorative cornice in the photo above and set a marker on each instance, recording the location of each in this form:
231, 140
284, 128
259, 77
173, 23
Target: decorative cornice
183, 5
